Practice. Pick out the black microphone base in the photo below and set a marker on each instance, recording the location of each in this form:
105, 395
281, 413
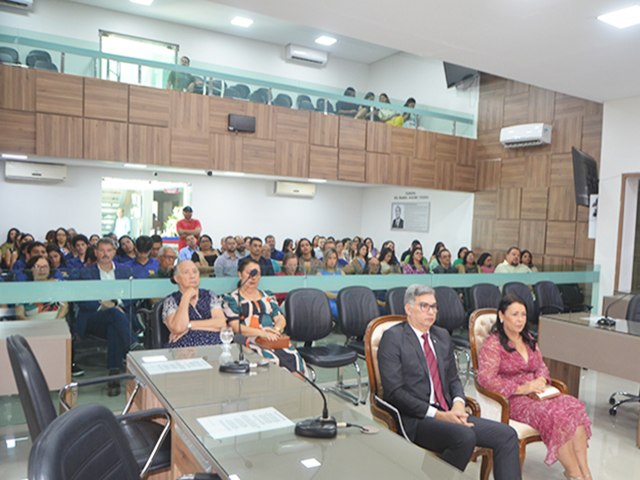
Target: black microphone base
317, 428
234, 367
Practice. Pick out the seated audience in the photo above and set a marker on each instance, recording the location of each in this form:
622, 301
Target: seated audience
330, 264
255, 252
62, 240
372, 267
409, 120
50, 237
468, 264
365, 112
227, 264
443, 257
388, 262
373, 251
359, 262
182, 81
414, 263
266, 254
385, 114
8, 247
39, 270
143, 266
510, 363
307, 261
190, 251
433, 261
193, 315
404, 258
343, 247
126, 252
29, 250
93, 239
260, 316
347, 109
276, 254
167, 259
287, 247
157, 245
241, 246
289, 265
59, 263
80, 245
205, 257
18, 254
462, 251
526, 258
511, 263
485, 262
419, 378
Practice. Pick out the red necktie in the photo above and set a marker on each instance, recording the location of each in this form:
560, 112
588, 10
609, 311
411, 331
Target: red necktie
432, 363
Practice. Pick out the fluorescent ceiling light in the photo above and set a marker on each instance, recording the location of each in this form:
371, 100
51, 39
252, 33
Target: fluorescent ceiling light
13, 156
146, 3
627, 17
137, 166
234, 174
325, 40
241, 22
317, 180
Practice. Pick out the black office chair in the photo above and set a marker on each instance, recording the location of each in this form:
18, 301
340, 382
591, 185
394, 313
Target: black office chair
485, 295
149, 441
320, 103
303, 102
395, 300
548, 298
573, 298
12, 53
453, 318
6, 58
156, 333
243, 90
45, 65
357, 306
261, 95
282, 100
633, 315
35, 55
309, 320
523, 292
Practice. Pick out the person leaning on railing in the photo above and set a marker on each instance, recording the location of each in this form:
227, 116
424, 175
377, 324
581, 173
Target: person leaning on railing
39, 270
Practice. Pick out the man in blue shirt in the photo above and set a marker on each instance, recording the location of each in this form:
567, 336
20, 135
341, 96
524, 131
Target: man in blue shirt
192, 247
144, 266
275, 253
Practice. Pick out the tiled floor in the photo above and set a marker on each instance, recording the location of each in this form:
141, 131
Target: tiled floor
613, 454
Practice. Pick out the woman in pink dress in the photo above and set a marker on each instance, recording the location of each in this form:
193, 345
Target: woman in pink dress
510, 363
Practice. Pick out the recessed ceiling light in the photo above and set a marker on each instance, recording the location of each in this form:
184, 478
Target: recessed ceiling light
241, 22
325, 40
317, 180
13, 156
136, 166
627, 17
146, 3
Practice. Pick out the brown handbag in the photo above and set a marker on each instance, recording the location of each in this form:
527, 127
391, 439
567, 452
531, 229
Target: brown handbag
283, 341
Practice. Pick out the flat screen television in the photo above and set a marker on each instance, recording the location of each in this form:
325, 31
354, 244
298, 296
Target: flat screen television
585, 176
456, 74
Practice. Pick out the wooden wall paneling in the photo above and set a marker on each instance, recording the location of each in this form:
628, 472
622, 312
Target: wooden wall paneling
465, 178
351, 164
425, 145
149, 145
567, 132
516, 109
561, 171
189, 112
558, 264
379, 137
106, 100
105, 140
190, 149
258, 156
488, 145
403, 141
568, 106
585, 246
506, 233
541, 105
219, 110
377, 168
17, 89
583, 213
562, 203
534, 203
533, 235
490, 110
399, 169
59, 94
324, 129
488, 174
491, 83
482, 233
446, 157
291, 125
292, 158
509, 203
592, 136
59, 136
560, 239
485, 205
536, 171
149, 106
512, 172
226, 152
423, 172
18, 131
466, 151
323, 162
265, 126
513, 87
353, 134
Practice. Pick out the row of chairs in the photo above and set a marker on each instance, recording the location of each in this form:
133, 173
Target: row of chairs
262, 95
36, 59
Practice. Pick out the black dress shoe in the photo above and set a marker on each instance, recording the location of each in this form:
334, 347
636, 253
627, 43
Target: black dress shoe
113, 388
76, 371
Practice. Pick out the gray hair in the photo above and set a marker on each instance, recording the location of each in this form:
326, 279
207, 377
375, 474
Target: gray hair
416, 290
165, 249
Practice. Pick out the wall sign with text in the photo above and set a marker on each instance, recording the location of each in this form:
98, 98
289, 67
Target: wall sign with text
411, 212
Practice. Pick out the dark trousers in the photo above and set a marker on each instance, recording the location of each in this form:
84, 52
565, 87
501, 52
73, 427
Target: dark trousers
455, 443
113, 325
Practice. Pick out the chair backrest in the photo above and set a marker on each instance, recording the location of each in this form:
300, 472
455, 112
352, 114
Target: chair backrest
451, 314
242, 89
45, 65
572, 297
32, 386
159, 335
357, 306
633, 309
485, 295
395, 300
320, 103
305, 105
548, 297
372, 338
261, 95
6, 58
35, 55
524, 293
12, 52
308, 314
86, 443
282, 100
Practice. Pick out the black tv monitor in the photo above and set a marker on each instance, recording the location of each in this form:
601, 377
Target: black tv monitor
456, 74
585, 176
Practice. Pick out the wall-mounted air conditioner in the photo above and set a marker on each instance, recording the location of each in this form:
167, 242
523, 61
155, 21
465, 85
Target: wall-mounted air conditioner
296, 53
293, 189
528, 135
22, 4
39, 172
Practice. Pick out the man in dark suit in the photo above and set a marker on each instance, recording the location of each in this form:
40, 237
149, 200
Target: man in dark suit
398, 221
107, 319
420, 378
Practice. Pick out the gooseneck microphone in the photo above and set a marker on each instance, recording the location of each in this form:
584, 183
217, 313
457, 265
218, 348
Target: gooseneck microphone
609, 322
318, 427
240, 365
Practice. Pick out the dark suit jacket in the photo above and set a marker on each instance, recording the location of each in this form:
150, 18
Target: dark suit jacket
405, 374
89, 307
397, 223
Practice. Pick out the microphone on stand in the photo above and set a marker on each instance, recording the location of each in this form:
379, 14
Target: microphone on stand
240, 365
610, 322
318, 427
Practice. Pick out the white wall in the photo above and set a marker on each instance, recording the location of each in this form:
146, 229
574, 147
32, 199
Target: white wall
620, 154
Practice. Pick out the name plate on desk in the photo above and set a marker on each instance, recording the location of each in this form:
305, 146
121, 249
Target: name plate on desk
172, 366
244, 423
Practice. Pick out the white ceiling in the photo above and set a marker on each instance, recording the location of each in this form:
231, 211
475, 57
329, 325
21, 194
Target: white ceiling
554, 44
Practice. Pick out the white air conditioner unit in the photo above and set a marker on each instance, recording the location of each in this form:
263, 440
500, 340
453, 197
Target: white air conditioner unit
528, 135
39, 172
296, 53
293, 189
22, 4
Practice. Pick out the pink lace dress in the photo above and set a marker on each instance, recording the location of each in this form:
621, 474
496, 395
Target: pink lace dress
556, 419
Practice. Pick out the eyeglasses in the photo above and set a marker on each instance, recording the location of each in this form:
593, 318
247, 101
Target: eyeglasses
425, 307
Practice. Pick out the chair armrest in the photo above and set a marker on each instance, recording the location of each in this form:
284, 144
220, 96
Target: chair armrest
560, 385
473, 406
394, 411
550, 310
62, 394
504, 403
